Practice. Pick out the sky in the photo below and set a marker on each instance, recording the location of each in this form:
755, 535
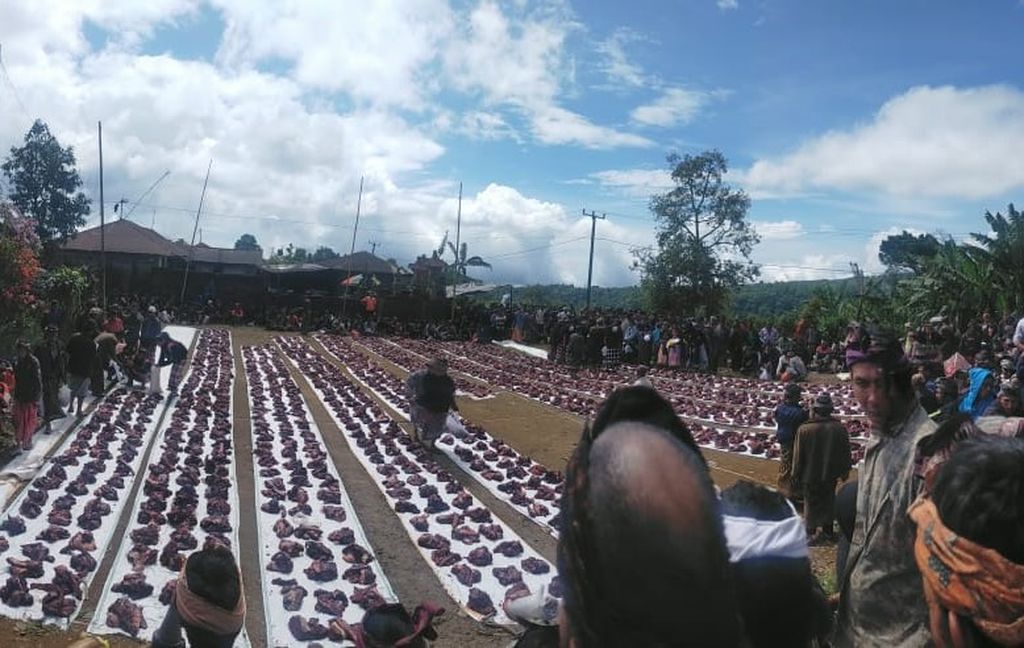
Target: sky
843, 121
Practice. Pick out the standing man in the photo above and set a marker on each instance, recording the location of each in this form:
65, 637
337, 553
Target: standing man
28, 386
789, 416
172, 353
150, 331
52, 367
881, 597
431, 394
81, 360
821, 458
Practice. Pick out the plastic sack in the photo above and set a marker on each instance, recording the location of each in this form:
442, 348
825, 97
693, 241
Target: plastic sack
154, 379
64, 396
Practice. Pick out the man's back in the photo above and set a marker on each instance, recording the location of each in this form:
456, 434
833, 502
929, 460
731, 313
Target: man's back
822, 451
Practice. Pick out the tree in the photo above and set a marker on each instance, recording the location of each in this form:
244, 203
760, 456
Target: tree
462, 261
704, 240
1003, 251
290, 254
45, 186
906, 251
247, 242
323, 253
19, 268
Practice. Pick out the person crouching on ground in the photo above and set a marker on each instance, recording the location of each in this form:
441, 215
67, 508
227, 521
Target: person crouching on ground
821, 458
208, 603
172, 353
970, 546
431, 394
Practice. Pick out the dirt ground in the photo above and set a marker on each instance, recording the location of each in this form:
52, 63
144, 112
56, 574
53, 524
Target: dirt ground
544, 433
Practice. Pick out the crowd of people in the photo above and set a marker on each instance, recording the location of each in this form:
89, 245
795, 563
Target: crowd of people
82, 355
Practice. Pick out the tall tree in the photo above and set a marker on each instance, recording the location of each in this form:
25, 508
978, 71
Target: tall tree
704, 239
247, 242
1003, 250
323, 253
45, 185
906, 251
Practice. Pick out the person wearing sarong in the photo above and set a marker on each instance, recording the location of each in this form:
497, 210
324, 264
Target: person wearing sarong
52, 370
431, 394
208, 602
821, 458
172, 353
969, 546
28, 386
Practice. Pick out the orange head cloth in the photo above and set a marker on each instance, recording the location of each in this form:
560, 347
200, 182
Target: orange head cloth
966, 578
199, 612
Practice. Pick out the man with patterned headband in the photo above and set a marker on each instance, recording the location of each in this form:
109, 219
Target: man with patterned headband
881, 598
970, 546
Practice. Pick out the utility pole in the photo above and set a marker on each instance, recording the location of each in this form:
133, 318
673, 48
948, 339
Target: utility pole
593, 230
355, 229
373, 247
195, 228
103, 225
458, 233
119, 207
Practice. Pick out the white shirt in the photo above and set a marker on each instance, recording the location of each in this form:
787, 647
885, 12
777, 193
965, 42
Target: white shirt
1018, 333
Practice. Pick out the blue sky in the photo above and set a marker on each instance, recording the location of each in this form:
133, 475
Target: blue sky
844, 121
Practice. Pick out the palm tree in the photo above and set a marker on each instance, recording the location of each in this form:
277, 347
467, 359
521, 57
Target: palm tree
1003, 250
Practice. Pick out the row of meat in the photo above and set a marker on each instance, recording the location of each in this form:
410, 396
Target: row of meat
317, 566
188, 498
478, 559
525, 485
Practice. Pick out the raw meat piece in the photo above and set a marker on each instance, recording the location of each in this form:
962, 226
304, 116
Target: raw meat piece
15, 592
171, 558
436, 505
518, 590
30, 510
141, 555
290, 547
427, 490
509, 548
444, 557
304, 629
58, 605
280, 562
535, 566
215, 523
273, 506
433, 541
420, 522
492, 532
463, 500
37, 496
466, 574
342, 536
151, 517
479, 514
4, 545
453, 519
308, 532
360, 575
356, 554
218, 507
336, 513
126, 615
147, 535
405, 506
480, 602
466, 535
59, 517
507, 575
37, 551
367, 598
283, 528
317, 551
184, 540
134, 586
53, 534
481, 557
25, 568
331, 602
555, 587
291, 592
322, 571
537, 510
81, 541
167, 593
83, 563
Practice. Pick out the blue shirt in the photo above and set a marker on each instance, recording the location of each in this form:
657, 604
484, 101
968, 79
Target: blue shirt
788, 418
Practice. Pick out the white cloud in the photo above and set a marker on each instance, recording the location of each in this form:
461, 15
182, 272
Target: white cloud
674, 106
927, 142
806, 268
725, 5
778, 230
635, 182
483, 125
616, 65
519, 62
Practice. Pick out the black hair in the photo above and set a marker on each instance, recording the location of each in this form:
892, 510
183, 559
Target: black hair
643, 405
781, 601
747, 499
212, 574
979, 493
954, 430
538, 637
387, 624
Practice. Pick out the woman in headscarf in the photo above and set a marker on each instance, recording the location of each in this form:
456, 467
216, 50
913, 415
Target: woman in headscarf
981, 394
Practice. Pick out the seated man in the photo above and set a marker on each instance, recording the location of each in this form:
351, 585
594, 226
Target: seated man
781, 601
970, 546
431, 394
208, 603
791, 368
641, 553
